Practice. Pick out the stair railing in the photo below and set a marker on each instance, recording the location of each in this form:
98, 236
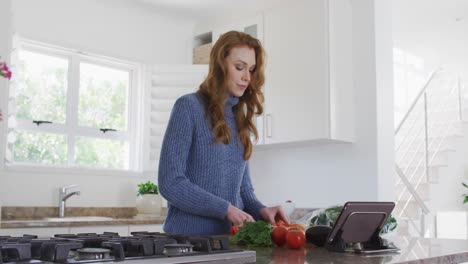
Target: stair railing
415, 101
412, 136
425, 143
427, 159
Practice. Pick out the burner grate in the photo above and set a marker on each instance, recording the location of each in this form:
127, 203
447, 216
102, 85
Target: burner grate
58, 251
12, 252
108, 246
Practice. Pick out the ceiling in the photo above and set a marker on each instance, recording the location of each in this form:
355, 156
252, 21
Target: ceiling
213, 9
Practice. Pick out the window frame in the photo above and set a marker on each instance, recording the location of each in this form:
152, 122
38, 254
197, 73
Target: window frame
71, 129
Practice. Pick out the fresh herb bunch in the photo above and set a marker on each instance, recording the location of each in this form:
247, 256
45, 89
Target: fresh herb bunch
254, 234
466, 194
147, 188
328, 217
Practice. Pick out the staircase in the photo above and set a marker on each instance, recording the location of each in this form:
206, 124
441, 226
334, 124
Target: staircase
426, 140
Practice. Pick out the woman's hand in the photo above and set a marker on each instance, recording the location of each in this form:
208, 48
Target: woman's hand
273, 214
237, 216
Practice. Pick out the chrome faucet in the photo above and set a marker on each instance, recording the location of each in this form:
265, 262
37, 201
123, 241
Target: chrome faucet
63, 196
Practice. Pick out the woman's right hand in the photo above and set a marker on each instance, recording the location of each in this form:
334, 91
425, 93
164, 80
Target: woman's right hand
237, 216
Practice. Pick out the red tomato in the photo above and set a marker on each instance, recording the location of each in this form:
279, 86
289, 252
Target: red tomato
278, 236
297, 226
234, 229
295, 238
280, 223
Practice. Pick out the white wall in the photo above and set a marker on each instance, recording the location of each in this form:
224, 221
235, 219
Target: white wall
434, 30
5, 47
313, 176
428, 34
323, 175
41, 189
120, 29
382, 30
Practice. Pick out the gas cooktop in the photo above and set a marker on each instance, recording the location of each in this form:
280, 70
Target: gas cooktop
142, 247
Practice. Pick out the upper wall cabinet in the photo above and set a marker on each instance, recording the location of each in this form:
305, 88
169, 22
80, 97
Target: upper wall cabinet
309, 82
252, 26
309, 86
207, 35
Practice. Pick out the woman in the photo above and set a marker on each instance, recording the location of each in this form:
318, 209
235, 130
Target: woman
203, 169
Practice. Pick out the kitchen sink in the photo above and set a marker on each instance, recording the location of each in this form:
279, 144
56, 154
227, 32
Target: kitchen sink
78, 219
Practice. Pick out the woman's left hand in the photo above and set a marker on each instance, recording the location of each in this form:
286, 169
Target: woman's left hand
274, 214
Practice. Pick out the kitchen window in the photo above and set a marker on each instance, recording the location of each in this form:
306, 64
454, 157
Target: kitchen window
72, 109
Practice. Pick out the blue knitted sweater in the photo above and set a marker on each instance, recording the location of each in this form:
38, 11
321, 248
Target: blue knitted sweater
200, 178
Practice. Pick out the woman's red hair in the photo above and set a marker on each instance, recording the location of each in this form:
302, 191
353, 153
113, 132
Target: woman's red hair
214, 90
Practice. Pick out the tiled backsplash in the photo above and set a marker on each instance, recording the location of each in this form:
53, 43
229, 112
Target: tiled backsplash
36, 213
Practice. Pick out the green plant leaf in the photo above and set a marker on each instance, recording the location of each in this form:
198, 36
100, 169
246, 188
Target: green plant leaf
147, 188
254, 234
328, 217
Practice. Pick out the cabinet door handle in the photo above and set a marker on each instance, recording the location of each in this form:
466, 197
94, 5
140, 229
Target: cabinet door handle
268, 125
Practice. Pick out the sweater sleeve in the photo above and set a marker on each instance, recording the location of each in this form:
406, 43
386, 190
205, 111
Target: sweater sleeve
251, 203
173, 183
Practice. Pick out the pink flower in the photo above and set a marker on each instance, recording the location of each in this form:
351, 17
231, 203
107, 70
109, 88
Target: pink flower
5, 71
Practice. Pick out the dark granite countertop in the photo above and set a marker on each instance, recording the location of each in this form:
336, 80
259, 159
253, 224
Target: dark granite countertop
413, 250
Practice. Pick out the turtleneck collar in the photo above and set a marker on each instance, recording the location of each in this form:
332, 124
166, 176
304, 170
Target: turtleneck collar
230, 103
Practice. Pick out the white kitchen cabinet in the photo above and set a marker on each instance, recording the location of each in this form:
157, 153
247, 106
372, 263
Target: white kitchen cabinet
39, 231
250, 25
121, 229
149, 228
206, 35
308, 89
309, 81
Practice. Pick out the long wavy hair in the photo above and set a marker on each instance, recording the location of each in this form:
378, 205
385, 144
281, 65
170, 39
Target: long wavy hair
215, 92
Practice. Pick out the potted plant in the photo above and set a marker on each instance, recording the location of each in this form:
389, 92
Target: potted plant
148, 200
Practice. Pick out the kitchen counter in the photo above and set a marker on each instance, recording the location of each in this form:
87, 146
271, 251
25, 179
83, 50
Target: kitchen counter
413, 250
116, 221
28, 217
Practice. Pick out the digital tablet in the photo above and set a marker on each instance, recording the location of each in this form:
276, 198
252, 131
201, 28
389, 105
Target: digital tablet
360, 222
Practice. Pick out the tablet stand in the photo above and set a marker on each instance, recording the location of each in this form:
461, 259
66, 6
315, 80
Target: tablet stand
375, 243
360, 222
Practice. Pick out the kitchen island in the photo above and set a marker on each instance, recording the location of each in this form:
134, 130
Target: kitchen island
413, 250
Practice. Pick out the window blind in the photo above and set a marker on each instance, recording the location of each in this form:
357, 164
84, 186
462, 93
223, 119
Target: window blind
167, 83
